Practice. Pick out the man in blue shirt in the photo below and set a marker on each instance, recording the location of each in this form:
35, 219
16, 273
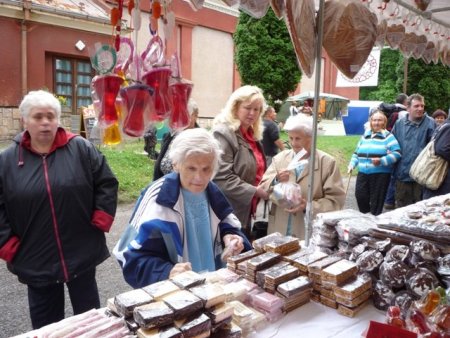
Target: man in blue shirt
413, 132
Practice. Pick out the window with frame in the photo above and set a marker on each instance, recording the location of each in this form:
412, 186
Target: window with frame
72, 80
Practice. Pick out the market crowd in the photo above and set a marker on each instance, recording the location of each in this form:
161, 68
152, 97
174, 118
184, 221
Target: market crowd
58, 195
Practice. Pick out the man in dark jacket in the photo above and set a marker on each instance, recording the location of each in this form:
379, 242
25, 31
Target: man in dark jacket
58, 197
412, 133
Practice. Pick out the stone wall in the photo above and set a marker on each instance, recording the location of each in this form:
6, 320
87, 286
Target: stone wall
10, 124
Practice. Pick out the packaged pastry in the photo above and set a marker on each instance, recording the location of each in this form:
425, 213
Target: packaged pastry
444, 265
328, 293
350, 311
210, 294
425, 250
393, 273
294, 286
188, 279
194, 325
231, 330
303, 261
403, 299
354, 301
235, 291
222, 275
259, 243
261, 274
156, 314
328, 302
274, 277
317, 266
127, 301
382, 295
419, 281
283, 245
369, 260
219, 313
354, 287
262, 261
350, 31
164, 332
266, 302
397, 253
160, 289
339, 272
243, 256
300, 20
183, 303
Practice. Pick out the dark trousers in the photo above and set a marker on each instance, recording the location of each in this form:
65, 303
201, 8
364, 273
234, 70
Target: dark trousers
407, 193
390, 196
370, 192
47, 302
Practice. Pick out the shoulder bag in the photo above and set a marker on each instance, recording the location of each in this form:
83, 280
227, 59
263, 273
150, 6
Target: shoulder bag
429, 169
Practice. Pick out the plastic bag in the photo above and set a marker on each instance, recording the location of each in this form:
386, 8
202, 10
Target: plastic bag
286, 195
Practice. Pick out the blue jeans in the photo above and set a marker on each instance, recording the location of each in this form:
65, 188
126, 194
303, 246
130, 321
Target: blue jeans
390, 195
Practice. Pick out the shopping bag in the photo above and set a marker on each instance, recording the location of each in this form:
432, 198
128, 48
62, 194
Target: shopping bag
429, 169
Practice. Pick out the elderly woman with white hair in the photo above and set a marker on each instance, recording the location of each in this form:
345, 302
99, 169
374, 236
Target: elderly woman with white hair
58, 197
287, 166
163, 164
182, 221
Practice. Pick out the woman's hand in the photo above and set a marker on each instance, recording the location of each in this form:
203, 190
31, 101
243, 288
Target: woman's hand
261, 193
300, 207
234, 244
376, 161
179, 268
283, 176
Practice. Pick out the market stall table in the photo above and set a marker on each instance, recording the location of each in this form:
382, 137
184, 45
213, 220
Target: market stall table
318, 321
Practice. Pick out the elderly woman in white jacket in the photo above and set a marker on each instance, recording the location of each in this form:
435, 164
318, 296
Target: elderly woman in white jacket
328, 191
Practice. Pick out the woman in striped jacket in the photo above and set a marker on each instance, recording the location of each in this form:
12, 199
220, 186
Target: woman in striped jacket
375, 155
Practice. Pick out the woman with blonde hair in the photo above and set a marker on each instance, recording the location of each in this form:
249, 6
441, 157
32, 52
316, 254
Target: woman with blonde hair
238, 128
376, 153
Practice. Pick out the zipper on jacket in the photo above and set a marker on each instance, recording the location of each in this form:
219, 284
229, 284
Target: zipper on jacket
55, 223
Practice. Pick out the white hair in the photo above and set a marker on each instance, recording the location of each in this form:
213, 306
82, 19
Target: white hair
193, 142
299, 122
39, 99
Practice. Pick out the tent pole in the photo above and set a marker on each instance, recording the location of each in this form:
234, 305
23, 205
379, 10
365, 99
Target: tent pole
405, 74
312, 156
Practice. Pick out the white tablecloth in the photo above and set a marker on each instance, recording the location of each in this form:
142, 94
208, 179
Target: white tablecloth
314, 320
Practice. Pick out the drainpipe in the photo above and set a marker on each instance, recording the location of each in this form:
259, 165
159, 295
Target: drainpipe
24, 44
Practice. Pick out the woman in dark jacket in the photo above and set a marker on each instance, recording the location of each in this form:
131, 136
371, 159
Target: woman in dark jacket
441, 148
57, 199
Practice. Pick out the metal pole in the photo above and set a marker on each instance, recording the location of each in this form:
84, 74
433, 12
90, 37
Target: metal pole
405, 74
312, 155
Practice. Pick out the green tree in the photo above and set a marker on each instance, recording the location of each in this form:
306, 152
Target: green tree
265, 57
430, 80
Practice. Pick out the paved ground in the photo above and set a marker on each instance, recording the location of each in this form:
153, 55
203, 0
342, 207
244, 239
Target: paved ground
14, 318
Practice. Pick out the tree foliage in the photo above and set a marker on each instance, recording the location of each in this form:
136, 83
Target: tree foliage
432, 81
265, 57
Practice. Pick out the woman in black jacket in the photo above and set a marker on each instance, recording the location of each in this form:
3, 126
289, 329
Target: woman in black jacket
58, 197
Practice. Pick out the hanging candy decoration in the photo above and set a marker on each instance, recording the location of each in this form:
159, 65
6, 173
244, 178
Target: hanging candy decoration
153, 56
124, 56
130, 6
156, 9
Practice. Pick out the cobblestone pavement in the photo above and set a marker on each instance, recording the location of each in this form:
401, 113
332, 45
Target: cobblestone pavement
14, 317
